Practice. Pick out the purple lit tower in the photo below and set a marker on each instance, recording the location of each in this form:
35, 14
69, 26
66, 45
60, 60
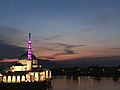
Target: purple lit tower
29, 47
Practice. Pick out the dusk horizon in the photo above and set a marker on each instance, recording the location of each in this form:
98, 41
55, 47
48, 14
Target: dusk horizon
60, 44
62, 30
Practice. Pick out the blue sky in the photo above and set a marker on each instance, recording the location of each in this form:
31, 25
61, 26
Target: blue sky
57, 24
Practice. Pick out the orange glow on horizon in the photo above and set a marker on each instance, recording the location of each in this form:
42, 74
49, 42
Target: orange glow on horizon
9, 60
101, 52
79, 54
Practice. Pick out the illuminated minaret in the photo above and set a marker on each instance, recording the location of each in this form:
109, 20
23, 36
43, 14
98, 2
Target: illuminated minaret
29, 47
29, 61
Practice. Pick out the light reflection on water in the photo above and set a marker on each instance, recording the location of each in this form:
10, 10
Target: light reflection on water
84, 83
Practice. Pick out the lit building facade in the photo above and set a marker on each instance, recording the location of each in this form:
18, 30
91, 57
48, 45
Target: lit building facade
26, 69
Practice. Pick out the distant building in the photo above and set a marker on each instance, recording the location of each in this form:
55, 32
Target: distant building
26, 69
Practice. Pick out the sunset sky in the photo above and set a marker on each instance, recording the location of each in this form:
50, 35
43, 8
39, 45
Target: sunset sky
61, 29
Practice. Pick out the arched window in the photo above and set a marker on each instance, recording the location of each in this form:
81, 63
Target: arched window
36, 76
23, 78
4, 78
9, 79
18, 78
13, 78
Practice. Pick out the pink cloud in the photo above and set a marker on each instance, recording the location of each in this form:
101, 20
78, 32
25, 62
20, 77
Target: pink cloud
9, 60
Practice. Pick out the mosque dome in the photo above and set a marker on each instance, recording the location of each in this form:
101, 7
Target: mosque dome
25, 57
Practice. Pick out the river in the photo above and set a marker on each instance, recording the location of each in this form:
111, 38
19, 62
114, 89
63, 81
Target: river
84, 83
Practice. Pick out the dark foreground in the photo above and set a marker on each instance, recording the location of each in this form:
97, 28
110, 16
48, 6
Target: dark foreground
26, 85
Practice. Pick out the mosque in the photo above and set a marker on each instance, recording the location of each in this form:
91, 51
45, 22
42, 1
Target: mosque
26, 70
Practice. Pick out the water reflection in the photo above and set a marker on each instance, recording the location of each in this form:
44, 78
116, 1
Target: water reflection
84, 83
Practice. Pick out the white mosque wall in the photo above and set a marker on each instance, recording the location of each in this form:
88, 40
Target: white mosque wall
18, 68
26, 77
